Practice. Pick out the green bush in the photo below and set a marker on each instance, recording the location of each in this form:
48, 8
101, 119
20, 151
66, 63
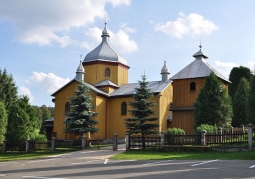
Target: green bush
173, 131
207, 127
39, 137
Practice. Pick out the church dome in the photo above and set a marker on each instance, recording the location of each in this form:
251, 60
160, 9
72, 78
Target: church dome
104, 51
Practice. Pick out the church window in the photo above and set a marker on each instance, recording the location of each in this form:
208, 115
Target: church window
192, 86
67, 107
107, 72
123, 108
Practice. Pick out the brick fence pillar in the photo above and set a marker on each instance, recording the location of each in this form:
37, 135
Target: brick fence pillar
27, 145
203, 139
127, 141
53, 144
250, 136
162, 143
83, 142
115, 142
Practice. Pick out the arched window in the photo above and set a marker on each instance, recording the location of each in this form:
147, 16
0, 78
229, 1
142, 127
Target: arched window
67, 107
192, 86
107, 72
123, 108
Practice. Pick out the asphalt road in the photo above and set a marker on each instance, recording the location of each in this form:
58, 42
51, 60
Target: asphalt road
94, 164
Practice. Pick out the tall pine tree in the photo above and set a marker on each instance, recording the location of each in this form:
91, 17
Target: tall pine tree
22, 121
142, 121
213, 105
240, 103
251, 102
8, 89
3, 121
81, 117
236, 74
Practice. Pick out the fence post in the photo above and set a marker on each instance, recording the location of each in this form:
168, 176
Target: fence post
243, 130
250, 136
27, 145
4, 145
232, 130
203, 139
83, 142
52, 144
162, 139
220, 132
115, 142
127, 141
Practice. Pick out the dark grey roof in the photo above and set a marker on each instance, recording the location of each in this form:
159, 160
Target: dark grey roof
49, 120
129, 89
93, 88
197, 69
106, 83
104, 51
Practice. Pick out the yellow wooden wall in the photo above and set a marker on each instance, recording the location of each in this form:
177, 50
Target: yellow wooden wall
165, 100
183, 120
95, 73
61, 98
182, 96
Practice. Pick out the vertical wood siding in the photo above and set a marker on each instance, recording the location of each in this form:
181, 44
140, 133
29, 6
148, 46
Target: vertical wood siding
95, 73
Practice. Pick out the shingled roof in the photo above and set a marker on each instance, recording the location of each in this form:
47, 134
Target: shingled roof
197, 69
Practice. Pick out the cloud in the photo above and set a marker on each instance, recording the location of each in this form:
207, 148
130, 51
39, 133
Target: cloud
45, 22
191, 25
225, 68
49, 82
27, 92
120, 40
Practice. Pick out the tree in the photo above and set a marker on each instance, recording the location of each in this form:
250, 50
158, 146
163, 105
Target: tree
240, 104
236, 74
81, 117
3, 121
251, 102
8, 89
213, 106
141, 120
45, 115
22, 121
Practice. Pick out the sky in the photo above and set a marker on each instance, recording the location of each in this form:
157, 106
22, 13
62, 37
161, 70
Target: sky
41, 41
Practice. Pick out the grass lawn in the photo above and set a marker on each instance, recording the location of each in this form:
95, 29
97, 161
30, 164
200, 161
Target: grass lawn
153, 155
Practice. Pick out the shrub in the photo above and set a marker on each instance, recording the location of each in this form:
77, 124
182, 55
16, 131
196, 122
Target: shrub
39, 137
173, 131
207, 127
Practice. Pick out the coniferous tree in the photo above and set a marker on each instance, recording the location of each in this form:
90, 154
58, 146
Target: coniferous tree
3, 121
236, 74
251, 102
240, 102
22, 121
213, 106
81, 117
142, 121
8, 89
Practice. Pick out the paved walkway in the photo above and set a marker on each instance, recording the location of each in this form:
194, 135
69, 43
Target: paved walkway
102, 153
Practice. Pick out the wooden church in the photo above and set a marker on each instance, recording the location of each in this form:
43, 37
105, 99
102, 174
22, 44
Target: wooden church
105, 72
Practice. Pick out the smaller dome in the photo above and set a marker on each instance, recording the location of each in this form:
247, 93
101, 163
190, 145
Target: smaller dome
165, 69
80, 68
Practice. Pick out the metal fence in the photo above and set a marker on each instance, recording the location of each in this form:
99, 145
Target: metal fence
183, 139
135, 142
227, 138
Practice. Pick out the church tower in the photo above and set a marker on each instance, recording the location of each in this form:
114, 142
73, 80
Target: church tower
105, 65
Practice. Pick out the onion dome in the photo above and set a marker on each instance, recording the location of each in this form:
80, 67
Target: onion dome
80, 72
164, 73
104, 51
